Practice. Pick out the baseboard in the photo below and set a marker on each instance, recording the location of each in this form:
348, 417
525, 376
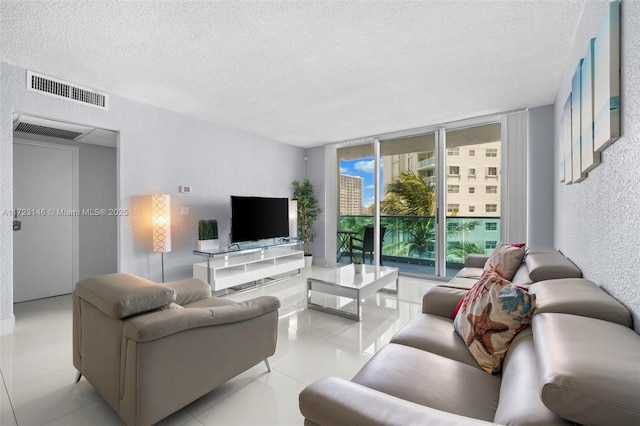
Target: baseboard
7, 325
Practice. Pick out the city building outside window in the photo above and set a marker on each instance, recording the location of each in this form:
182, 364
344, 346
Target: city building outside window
472, 190
491, 189
472, 153
490, 226
492, 171
453, 189
453, 208
472, 209
491, 152
453, 151
472, 172
491, 208
454, 170
490, 245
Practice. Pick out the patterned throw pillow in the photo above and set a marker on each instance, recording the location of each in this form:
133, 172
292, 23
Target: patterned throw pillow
506, 259
490, 316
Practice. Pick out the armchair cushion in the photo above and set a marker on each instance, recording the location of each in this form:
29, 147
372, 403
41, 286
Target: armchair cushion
189, 291
155, 325
122, 295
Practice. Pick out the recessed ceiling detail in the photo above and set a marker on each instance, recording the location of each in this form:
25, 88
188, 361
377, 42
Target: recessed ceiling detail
61, 89
35, 129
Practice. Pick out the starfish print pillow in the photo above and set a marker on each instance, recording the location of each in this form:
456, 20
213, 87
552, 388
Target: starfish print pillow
506, 258
490, 316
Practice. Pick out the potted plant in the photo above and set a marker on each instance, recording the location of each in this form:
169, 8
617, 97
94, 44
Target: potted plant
357, 264
308, 210
208, 234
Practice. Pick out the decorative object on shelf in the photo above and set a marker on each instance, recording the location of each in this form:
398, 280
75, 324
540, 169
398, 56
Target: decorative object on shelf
308, 210
208, 234
161, 221
357, 265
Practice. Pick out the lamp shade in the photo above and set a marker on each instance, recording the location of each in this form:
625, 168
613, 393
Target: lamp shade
293, 219
161, 212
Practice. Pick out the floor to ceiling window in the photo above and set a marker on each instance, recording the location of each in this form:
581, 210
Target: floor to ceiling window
453, 172
472, 178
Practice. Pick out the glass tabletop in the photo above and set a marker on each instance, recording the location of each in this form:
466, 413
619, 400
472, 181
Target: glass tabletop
243, 247
345, 276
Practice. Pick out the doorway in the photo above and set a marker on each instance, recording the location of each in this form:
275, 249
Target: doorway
45, 248
65, 184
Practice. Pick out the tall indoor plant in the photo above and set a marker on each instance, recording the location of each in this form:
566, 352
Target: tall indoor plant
308, 210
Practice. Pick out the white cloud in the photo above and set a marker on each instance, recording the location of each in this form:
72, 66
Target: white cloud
364, 166
368, 201
344, 170
370, 187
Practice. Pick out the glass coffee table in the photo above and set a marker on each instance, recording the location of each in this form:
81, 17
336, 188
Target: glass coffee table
344, 282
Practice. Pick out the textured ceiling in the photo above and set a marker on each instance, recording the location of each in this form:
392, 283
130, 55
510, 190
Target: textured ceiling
305, 73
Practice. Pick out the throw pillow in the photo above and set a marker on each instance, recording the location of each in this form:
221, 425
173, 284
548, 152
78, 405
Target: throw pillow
506, 259
490, 316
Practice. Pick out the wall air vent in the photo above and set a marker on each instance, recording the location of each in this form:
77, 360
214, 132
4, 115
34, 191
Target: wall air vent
62, 89
35, 129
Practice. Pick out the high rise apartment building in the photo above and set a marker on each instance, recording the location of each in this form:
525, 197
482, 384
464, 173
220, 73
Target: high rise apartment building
350, 195
471, 175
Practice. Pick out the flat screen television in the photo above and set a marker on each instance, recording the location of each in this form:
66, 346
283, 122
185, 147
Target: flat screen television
258, 218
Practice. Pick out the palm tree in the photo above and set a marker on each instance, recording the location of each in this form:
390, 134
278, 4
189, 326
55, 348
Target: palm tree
458, 250
408, 195
411, 197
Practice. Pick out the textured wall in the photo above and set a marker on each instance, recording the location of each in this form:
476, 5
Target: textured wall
158, 151
540, 169
597, 221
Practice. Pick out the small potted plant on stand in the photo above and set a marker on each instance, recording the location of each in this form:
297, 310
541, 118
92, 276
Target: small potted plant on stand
308, 210
208, 234
357, 265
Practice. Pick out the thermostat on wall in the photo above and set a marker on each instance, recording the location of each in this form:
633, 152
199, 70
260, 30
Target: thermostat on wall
184, 189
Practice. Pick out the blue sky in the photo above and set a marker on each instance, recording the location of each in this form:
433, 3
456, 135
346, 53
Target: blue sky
362, 167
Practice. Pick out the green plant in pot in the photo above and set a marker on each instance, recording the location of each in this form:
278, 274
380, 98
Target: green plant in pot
208, 234
357, 264
308, 211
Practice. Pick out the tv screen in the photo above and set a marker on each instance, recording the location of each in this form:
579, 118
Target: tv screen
258, 218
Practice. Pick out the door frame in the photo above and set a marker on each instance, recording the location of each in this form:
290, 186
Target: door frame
75, 223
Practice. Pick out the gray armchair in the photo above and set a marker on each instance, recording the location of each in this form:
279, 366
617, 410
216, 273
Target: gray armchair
150, 349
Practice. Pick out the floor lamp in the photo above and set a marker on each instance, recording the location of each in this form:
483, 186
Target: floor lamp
161, 212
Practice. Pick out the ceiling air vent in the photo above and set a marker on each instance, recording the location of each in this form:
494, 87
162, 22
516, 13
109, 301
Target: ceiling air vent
35, 129
62, 89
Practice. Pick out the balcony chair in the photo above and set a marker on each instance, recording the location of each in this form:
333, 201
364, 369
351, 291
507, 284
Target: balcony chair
150, 349
365, 244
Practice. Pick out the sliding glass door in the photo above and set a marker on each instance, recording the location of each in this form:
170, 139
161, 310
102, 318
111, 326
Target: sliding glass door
408, 204
472, 193
435, 198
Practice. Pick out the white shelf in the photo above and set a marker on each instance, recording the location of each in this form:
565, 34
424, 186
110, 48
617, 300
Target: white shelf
232, 269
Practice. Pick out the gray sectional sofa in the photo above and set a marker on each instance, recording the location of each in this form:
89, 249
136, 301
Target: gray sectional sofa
578, 362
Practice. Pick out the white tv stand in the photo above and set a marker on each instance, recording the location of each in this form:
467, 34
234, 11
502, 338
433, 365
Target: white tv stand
227, 268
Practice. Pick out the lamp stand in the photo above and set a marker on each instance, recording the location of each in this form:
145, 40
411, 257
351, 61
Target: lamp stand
162, 256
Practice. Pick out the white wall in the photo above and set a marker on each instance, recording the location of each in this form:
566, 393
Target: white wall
597, 221
158, 151
540, 170
316, 174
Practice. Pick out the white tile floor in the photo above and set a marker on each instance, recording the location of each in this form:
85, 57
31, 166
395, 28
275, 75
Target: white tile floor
38, 386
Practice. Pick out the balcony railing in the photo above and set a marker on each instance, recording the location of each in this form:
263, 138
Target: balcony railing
428, 163
410, 241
